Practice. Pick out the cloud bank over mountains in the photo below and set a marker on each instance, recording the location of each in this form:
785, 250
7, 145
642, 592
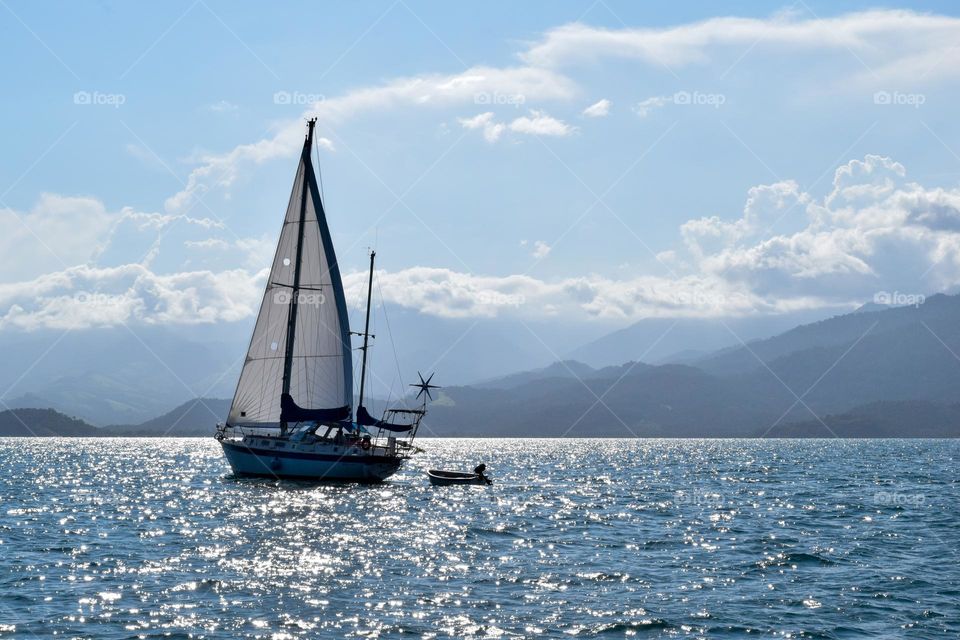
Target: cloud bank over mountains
874, 230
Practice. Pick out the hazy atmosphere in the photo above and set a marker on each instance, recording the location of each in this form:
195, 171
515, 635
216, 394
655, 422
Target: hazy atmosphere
419, 319
531, 183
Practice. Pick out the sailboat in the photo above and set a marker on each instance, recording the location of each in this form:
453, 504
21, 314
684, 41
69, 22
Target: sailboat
292, 413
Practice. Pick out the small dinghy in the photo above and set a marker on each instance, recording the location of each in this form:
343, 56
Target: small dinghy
440, 478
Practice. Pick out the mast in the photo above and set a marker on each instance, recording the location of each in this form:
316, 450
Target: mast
295, 293
366, 331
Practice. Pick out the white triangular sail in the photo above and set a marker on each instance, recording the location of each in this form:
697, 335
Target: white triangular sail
321, 367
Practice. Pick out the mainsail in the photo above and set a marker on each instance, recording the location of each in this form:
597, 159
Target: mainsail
299, 363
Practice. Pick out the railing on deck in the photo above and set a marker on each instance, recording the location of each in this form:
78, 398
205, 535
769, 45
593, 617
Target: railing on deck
379, 443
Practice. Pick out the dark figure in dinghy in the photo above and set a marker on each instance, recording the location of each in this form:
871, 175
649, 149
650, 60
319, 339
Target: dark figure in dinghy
479, 470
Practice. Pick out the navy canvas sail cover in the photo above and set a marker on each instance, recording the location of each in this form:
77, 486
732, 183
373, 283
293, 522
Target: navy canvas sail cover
290, 412
364, 418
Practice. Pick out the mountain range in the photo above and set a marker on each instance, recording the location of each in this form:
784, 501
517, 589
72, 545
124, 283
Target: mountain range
683, 340
838, 373
878, 371
128, 375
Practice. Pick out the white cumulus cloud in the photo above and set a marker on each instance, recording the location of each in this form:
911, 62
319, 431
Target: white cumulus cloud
540, 249
599, 109
649, 105
538, 123
86, 296
484, 121
875, 230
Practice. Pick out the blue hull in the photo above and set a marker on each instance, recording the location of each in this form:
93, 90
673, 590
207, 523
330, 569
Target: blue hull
339, 464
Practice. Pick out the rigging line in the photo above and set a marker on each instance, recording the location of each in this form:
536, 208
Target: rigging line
323, 198
389, 395
393, 382
393, 344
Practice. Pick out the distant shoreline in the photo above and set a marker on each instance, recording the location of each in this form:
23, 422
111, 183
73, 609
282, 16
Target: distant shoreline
910, 420
501, 437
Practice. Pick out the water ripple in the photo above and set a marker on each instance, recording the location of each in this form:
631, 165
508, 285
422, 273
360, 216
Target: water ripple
577, 538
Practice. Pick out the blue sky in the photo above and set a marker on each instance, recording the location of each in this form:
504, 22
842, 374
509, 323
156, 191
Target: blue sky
581, 162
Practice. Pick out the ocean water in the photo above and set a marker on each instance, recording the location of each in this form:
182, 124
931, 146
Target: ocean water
127, 538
